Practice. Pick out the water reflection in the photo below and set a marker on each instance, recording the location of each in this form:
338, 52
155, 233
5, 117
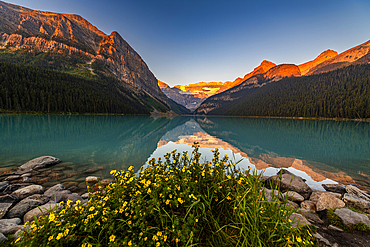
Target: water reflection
320, 151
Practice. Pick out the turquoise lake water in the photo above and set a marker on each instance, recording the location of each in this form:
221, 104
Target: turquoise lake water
321, 151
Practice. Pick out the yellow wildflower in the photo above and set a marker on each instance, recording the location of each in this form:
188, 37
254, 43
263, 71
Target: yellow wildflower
112, 238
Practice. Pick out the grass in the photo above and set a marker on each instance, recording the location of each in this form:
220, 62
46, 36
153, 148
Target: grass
174, 201
337, 221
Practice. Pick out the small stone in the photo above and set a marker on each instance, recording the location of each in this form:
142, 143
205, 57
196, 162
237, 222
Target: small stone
292, 204
26, 179
3, 185
298, 220
357, 192
323, 241
91, 179
43, 210
4, 207
327, 201
10, 222
311, 217
357, 203
40, 162
26, 175
71, 197
2, 238
10, 178
13, 187
308, 205
57, 197
336, 188
27, 191
293, 196
10, 229
8, 199
27, 204
56, 188
350, 217
331, 227
85, 196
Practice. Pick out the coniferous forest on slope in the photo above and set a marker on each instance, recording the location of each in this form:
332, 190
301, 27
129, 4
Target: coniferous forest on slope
343, 93
32, 89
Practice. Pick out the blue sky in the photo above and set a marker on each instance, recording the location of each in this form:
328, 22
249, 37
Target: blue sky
185, 42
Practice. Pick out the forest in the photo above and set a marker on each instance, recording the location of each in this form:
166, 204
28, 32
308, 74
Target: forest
32, 89
343, 93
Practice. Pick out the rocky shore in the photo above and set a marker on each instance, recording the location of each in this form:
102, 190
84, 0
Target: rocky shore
21, 200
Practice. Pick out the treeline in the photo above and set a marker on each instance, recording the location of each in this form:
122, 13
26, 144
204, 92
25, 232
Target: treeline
343, 93
26, 88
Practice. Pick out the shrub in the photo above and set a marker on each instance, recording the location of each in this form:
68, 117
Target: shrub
176, 201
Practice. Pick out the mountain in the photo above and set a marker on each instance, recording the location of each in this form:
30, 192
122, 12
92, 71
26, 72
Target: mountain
72, 44
275, 73
325, 55
342, 93
183, 98
356, 55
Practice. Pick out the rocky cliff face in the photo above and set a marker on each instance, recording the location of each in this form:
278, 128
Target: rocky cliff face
52, 32
355, 55
325, 55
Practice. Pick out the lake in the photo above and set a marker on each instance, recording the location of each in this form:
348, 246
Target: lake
321, 151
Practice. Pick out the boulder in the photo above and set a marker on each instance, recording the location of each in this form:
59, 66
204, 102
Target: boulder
352, 190
293, 196
43, 210
8, 199
315, 196
71, 197
2, 238
27, 204
91, 179
13, 187
290, 182
311, 217
308, 205
40, 162
11, 178
268, 194
357, 203
327, 201
298, 220
3, 185
85, 196
11, 229
57, 197
292, 204
4, 207
10, 222
56, 188
27, 191
350, 217
336, 188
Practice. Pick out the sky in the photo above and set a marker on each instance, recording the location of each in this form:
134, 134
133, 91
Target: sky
191, 41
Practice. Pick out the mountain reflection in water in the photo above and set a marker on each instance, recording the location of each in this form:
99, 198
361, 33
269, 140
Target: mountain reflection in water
319, 151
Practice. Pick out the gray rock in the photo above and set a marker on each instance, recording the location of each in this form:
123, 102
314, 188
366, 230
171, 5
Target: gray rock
327, 201
10, 222
13, 187
311, 217
26, 179
91, 179
27, 204
352, 190
4, 207
331, 227
290, 182
57, 197
72, 197
292, 204
26, 175
40, 162
336, 188
323, 241
350, 217
11, 178
85, 196
308, 205
56, 188
293, 196
298, 220
3, 185
268, 194
2, 238
263, 178
8, 199
27, 191
315, 196
43, 210
357, 203
10, 229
